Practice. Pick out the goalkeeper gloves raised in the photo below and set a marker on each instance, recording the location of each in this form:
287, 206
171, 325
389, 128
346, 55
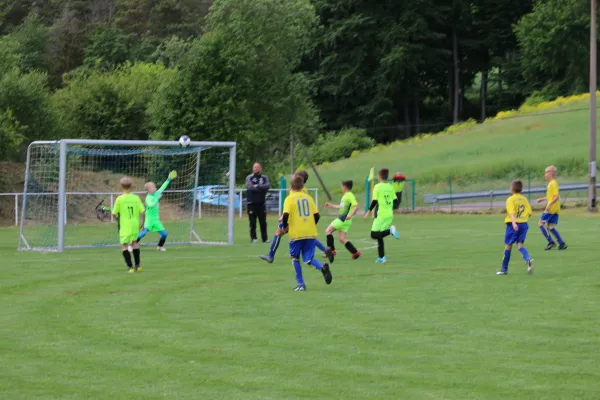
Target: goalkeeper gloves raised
172, 175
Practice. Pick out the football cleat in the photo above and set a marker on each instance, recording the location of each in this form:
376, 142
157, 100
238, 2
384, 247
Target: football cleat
502, 272
530, 266
159, 248
394, 232
356, 255
138, 268
130, 270
563, 246
381, 260
550, 246
330, 254
327, 273
300, 288
266, 258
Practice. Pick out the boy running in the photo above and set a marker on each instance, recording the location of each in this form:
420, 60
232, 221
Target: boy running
383, 198
300, 218
127, 210
347, 209
518, 212
153, 223
280, 232
549, 218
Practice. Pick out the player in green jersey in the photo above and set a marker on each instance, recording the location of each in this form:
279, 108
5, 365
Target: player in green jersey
383, 198
153, 223
347, 209
128, 210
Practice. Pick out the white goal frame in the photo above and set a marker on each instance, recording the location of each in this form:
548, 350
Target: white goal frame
62, 176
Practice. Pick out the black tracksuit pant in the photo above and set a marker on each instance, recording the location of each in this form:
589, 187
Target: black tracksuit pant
258, 211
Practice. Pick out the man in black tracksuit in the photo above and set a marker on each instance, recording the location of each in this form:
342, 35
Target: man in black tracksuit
257, 185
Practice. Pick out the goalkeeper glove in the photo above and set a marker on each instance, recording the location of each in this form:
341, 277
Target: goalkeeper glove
172, 175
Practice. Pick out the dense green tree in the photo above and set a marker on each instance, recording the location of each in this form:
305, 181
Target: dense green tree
107, 48
108, 105
239, 80
554, 41
33, 39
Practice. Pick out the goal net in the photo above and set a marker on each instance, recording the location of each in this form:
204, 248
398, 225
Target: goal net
71, 186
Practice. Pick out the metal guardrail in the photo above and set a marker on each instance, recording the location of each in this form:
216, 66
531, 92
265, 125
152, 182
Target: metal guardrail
238, 192
491, 194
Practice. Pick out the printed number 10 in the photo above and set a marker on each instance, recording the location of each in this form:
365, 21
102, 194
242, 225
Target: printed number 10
303, 208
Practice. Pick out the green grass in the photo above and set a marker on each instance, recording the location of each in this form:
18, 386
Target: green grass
485, 156
216, 322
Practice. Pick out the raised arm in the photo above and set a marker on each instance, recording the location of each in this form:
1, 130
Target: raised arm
163, 187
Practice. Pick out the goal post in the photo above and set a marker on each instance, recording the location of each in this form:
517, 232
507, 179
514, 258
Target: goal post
71, 185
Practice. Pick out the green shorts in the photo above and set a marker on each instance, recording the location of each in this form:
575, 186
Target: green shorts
381, 224
154, 226
340, 225
127, 238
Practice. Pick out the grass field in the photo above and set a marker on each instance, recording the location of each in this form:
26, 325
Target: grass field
482, 157
216, 322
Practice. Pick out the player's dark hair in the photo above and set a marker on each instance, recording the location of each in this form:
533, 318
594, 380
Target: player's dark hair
347, 184
384, 173
297, 182
517, 186
303, 174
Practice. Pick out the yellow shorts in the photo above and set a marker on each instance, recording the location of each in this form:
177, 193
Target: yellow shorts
128, 238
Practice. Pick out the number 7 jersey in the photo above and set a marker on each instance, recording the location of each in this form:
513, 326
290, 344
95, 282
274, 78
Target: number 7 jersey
301, 209
518, 205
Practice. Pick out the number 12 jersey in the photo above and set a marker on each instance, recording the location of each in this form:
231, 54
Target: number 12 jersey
385, 195
518, 205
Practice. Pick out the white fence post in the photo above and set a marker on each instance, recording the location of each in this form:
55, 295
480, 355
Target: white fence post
279, 202
241, 204
112, 204
16, 210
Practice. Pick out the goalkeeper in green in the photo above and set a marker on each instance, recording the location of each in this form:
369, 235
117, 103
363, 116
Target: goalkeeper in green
152, 222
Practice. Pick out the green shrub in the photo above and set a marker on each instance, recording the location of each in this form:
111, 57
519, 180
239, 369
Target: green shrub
333, 146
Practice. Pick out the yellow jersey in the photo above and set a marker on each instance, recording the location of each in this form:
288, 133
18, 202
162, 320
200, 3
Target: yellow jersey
552, 191
518, 205
301, 209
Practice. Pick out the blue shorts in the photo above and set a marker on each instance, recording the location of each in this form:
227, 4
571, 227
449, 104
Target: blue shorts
304, 247
511, 236
550, 218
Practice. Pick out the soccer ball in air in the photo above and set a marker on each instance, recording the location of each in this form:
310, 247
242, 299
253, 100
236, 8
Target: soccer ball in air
184, 141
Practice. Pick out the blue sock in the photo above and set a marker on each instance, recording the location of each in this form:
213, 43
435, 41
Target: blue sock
320, 245
525, 253
557, 235
274, 246
316, 263
506, 260
163, 238
298, 269
545, 233
142, 234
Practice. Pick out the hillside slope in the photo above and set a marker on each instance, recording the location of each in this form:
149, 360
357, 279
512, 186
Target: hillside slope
483, 156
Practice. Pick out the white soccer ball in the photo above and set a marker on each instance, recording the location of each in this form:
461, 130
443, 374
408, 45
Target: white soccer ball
184, 141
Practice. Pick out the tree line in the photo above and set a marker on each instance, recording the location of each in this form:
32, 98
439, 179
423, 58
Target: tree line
334, 74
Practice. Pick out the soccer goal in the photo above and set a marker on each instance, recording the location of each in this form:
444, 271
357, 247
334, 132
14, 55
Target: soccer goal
71, 186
